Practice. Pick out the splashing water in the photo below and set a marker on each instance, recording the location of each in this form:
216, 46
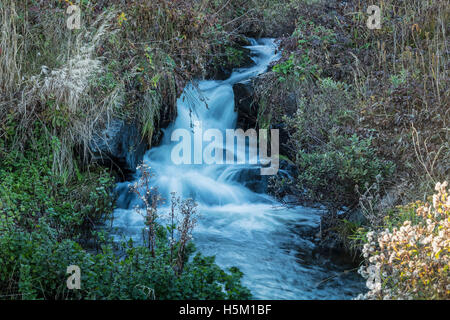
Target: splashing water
270, 243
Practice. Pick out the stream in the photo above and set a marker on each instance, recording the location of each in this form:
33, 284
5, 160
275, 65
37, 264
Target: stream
271, 244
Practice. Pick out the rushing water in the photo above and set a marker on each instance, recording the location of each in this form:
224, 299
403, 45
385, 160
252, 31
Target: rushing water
271, 244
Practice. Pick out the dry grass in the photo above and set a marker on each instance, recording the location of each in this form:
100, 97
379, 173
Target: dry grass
60, 99
10, 60
58, 96
398, 76
145, 52
405, 94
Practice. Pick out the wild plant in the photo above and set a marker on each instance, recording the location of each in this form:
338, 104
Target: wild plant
150, 196
412, 261
180, 220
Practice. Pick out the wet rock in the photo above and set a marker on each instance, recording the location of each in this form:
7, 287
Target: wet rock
244, 105
252, 179
283, 184
243, 41
119, 146
290, 199
219, 72
222, 68
288, 169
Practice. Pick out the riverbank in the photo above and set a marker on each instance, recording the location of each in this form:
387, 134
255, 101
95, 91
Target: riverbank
74, 100
240, 224
365, 116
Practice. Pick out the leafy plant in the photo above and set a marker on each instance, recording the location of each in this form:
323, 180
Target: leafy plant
332, 174
44, 220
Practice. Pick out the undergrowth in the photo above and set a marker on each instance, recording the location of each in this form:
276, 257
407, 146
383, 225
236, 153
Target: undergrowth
58, 89
48, 224
367, 114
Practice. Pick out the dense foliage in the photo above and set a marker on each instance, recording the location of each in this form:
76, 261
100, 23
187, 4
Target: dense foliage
44, 221
367, 116
330, 161
34, 265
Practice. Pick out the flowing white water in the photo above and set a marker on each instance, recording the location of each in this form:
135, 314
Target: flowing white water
268, 242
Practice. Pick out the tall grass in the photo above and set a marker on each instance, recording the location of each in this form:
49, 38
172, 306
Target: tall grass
59, 97
128, 60
411, 54
10, 58
64, 93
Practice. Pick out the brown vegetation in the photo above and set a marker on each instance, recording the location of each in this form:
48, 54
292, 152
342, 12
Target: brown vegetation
390, 85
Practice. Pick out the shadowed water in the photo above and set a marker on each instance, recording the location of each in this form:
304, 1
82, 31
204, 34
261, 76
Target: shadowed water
271, 244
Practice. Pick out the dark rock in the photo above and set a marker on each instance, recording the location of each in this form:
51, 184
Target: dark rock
253, 180
119, 146
284, 137
219, 72
288, 169
283, 184
242, 41
222, 68
244, 105
290, 199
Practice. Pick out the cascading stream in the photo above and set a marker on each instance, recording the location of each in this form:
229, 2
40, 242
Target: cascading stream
268, 242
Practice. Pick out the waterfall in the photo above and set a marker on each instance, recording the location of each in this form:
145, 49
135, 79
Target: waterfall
242, 228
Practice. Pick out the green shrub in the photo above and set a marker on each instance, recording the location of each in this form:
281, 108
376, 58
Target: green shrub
330, 176
44, 219
30, 190
34, 264
330, 160
300, 68
321, 116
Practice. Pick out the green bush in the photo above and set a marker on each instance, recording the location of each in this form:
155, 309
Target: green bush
331, 175
300, 68
331, 160
321, 116
29, 190
44, 219
34, 264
